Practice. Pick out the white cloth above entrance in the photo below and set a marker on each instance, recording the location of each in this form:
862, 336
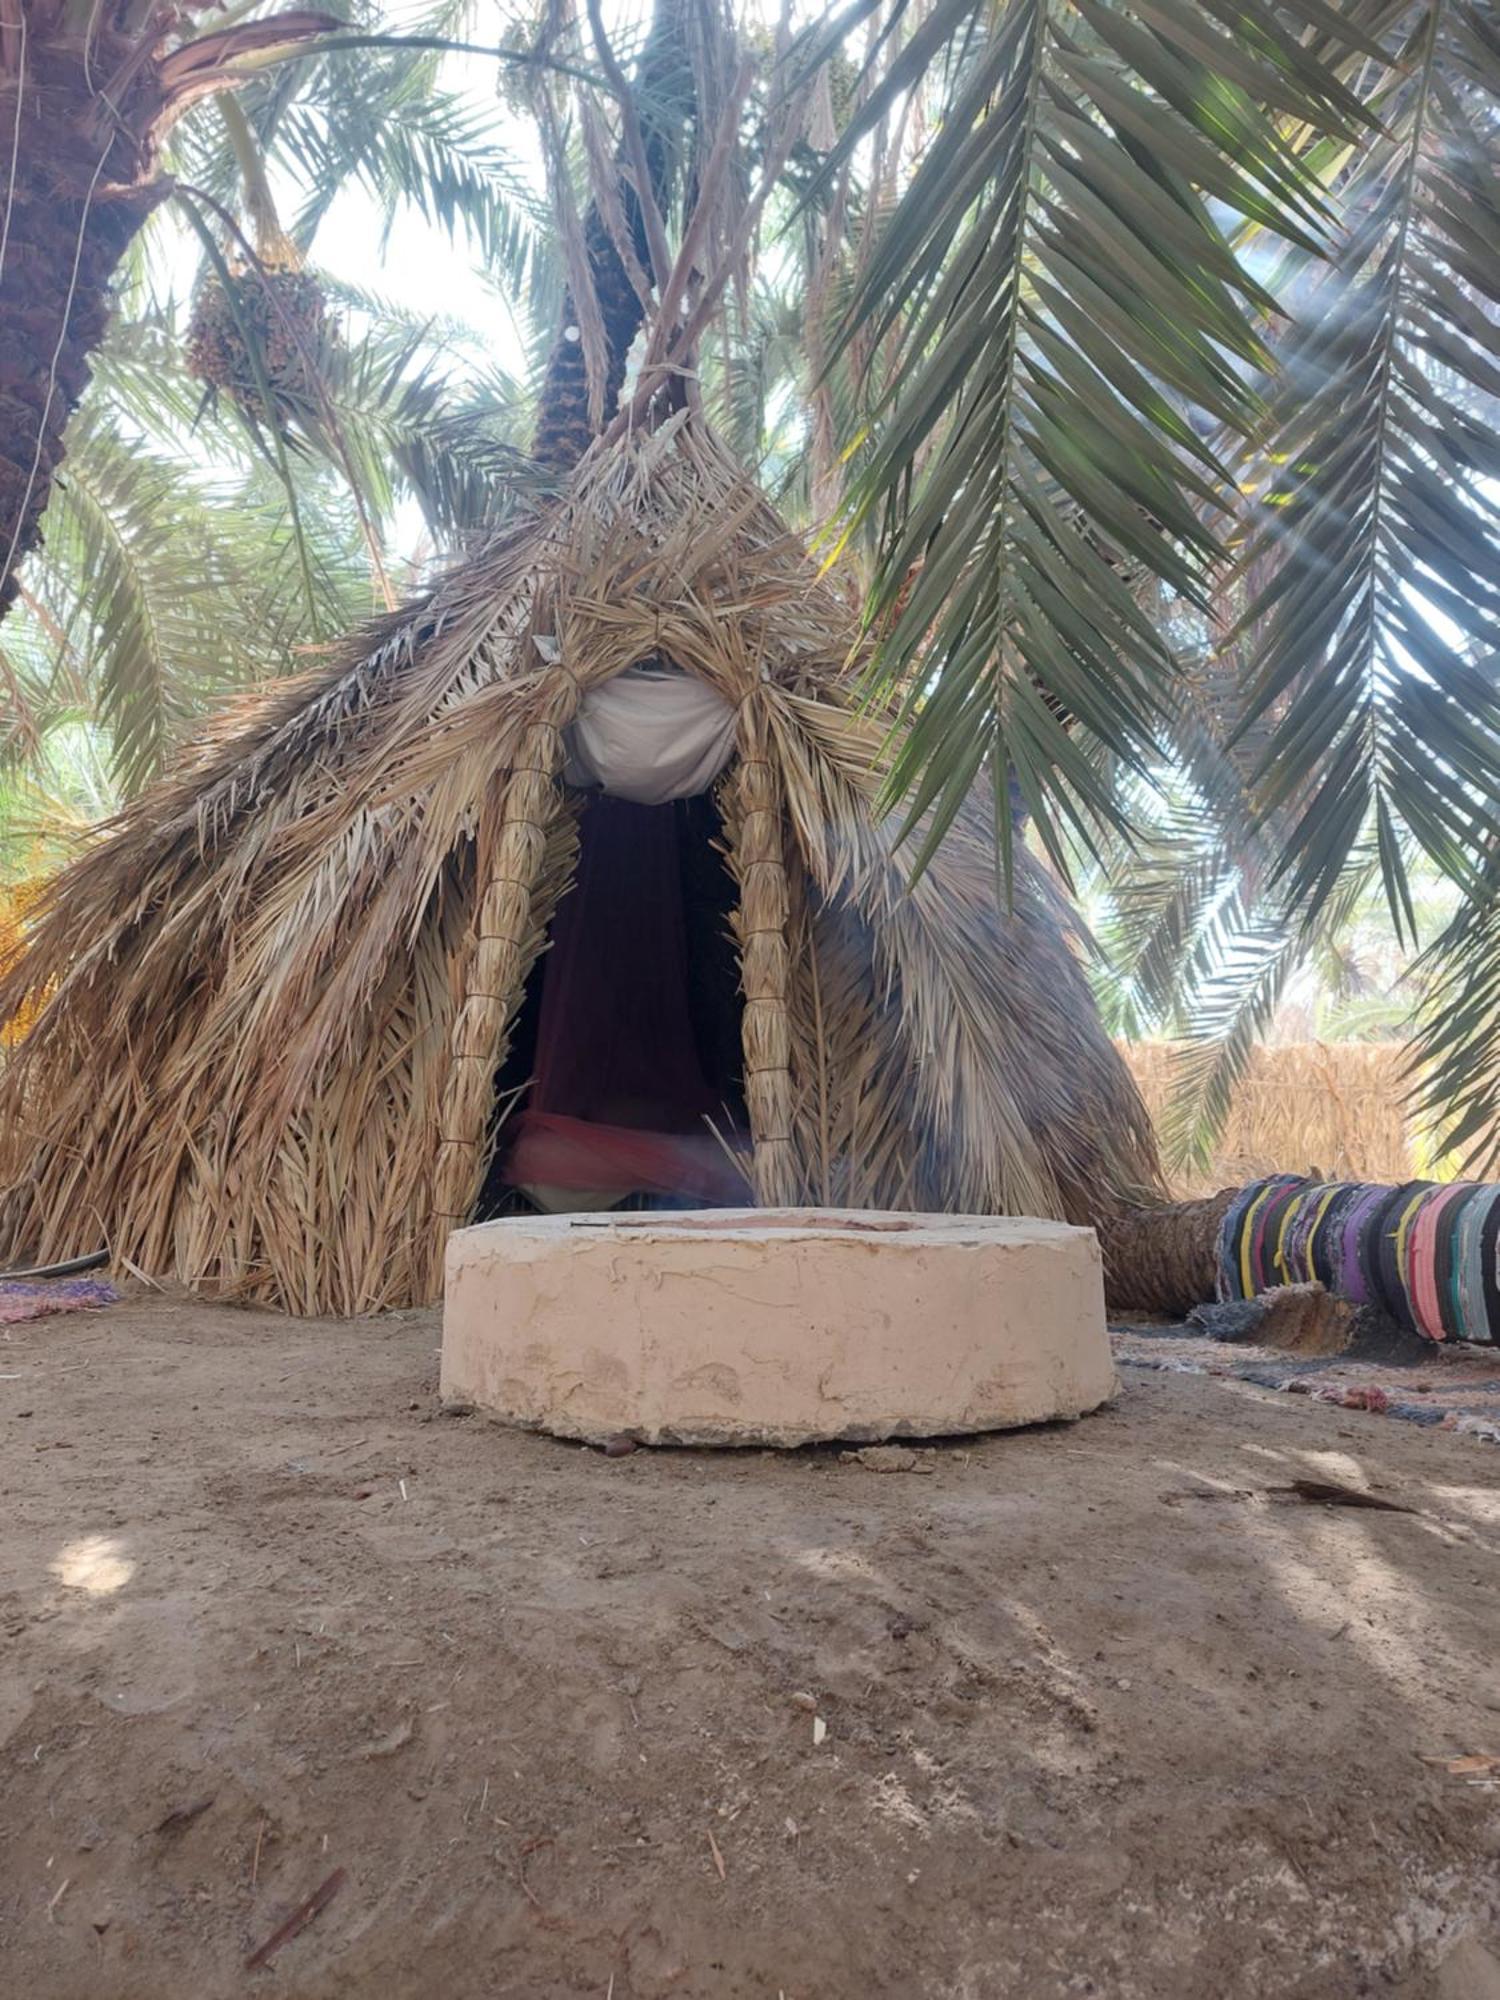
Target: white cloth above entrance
649, 735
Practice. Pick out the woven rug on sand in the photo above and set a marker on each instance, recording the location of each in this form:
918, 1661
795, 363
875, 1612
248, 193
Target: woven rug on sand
25, 1298
1451, 1389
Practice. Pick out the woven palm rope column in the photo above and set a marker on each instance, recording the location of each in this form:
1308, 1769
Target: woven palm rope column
765, 961
498, 962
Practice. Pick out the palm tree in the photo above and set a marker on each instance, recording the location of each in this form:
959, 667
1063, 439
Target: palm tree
152, 588
179, 567
87, 96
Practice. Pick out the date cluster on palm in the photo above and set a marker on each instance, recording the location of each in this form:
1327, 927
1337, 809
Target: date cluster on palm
261, 332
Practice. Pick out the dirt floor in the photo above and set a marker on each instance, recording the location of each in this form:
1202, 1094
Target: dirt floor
1085, 1710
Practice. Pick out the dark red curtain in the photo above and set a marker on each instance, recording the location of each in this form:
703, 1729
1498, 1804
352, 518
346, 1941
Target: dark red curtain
619, 1098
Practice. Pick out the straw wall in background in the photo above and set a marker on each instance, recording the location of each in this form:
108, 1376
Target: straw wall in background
1337, 1107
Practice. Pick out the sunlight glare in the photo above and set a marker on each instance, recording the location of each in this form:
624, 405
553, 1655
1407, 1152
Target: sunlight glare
94, 1563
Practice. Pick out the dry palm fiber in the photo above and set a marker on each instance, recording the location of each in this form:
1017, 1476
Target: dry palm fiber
16, 904
1423, 1254
1340, 1108
1311, 1321
284, 981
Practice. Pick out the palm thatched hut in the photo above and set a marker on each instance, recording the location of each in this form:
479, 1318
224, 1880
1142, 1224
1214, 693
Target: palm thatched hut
284, 987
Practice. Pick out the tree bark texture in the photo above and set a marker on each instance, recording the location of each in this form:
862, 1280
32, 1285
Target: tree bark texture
1164, 1259
81, 188
84, 104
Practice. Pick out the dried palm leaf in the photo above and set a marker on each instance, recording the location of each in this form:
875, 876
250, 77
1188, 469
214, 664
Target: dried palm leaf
277, 990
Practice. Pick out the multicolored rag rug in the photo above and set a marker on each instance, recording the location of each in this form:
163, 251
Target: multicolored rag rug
1452, 1389
25, 1298
1425, 1253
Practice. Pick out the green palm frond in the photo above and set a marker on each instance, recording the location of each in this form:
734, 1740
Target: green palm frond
435, 155
117, 527
139, 375
1242, 963
1458, 1043
39, 684
174, 569
1229, 1024
1200, 948
1066, 318
1375, 629
453, 446
163, 590
401, 414
376, 116
263, 564
1200, 944
754, 372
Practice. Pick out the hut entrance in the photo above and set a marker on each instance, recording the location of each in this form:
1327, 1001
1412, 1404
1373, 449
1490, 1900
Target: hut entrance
623, 1081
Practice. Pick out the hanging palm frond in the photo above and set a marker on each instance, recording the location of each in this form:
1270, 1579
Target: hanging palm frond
384, 118
430, 153
1458, 1044
1376, 627
1065, 314
159, 597
413, 423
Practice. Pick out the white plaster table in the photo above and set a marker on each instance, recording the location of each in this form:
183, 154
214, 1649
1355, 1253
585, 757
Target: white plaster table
774, 1326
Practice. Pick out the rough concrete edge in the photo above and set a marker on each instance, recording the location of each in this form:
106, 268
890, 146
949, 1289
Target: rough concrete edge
721, 1438
925, 1229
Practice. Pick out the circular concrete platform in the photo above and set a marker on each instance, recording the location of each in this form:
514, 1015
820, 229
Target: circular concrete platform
775, 1326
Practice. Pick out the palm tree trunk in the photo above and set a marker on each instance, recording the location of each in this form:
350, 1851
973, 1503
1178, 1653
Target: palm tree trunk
79, 191
1164, 1259
83, 107
664, 94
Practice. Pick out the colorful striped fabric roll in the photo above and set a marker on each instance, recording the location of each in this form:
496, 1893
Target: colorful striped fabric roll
1426, 1254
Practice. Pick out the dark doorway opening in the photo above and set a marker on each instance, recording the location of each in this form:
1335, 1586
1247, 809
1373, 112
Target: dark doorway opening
624, 1078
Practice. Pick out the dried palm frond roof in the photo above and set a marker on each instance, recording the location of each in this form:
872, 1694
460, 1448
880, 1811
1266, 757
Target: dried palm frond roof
281, 984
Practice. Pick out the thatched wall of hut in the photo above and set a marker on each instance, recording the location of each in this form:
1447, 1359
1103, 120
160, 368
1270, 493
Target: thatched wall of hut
279, 989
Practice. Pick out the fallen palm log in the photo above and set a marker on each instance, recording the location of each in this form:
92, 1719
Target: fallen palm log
1165, 1258
1420, 1255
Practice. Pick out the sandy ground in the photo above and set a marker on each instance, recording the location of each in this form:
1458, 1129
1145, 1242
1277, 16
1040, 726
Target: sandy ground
1102, 1715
